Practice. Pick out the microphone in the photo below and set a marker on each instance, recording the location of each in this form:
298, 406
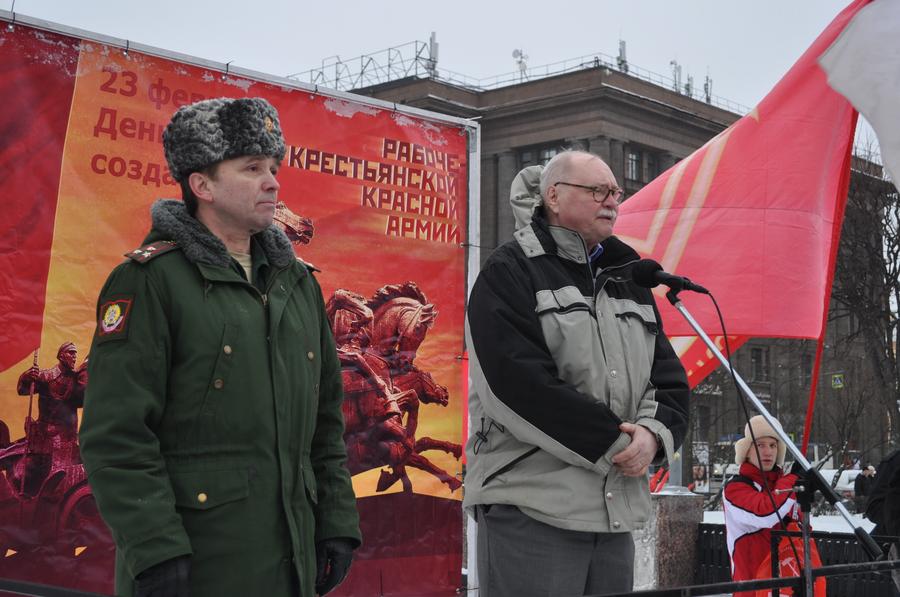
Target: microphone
650, 274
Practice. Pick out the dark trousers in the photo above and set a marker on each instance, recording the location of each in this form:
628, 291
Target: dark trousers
519, 556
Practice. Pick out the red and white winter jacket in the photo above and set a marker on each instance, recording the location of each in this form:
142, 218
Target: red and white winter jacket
750, 515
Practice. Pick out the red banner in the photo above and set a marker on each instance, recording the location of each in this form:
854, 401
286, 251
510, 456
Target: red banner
375, 198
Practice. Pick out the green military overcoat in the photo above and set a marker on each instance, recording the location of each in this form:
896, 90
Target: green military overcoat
212, 420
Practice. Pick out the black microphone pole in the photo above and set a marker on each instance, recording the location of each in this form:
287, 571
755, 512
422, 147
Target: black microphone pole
812, 477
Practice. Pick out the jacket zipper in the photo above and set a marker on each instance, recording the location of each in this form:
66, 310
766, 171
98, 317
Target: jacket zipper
509, 465
604, 270
264, 296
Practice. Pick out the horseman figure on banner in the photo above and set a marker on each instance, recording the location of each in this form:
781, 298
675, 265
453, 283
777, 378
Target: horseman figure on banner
377, 342
43, 477
298, 229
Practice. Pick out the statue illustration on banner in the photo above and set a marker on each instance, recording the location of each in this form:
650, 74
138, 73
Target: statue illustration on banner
50, 515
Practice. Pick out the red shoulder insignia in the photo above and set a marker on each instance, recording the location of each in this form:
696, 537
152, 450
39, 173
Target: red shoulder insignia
148, 252
308, 265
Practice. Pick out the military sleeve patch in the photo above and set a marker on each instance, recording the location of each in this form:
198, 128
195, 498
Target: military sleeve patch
114, 318
148, 252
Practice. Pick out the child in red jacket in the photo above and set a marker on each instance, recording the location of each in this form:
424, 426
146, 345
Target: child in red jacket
751, 511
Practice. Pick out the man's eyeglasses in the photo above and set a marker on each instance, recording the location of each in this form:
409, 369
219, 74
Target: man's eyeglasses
599, 194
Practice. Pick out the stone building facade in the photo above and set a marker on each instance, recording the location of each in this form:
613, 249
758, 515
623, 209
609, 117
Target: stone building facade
638, 128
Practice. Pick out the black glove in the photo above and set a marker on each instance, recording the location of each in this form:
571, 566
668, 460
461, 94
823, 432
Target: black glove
166, 579
333, 559
812, 480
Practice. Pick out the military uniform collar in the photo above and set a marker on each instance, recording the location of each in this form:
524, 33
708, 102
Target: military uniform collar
171, 221
260, 264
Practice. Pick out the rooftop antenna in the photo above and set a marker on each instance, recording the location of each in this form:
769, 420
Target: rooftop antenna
521, 60
433, 46
622, 60
676, 75
707, 87
689, 86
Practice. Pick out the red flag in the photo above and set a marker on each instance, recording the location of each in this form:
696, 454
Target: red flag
755, 214
698, 360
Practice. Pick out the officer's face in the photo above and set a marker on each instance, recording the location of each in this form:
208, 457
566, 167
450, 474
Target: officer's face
244, 192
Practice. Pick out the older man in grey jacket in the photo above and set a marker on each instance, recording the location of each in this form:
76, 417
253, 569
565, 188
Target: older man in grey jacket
575, 392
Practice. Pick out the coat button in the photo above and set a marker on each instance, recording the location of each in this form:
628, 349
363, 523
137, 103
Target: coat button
310, 355
609, 495
202, 497
613, 373
226, 349
616, 524
218, 384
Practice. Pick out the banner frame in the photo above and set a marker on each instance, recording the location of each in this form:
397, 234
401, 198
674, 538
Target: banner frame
14, 18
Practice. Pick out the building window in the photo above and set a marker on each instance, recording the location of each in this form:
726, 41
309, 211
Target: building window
545, 155
634, 164
702, 422
806, 367
538, 156
641, 164
651, 166
759, 364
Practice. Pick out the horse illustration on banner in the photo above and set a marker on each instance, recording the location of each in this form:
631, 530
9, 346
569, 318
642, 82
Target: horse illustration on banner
377, 341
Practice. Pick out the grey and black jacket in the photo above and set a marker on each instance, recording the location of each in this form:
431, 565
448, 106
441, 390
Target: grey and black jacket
562, 351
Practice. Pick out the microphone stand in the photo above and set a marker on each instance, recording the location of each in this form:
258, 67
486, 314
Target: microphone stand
813, 479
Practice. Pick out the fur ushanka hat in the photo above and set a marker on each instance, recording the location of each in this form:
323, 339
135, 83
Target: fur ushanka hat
210, 131
761, 428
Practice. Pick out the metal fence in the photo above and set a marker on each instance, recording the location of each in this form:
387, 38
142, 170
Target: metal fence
845, 566
834, 549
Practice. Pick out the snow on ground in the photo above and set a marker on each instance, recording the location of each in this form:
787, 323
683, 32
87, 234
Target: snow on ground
833, 523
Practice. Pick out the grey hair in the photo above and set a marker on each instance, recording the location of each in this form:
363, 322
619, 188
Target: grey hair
558, 165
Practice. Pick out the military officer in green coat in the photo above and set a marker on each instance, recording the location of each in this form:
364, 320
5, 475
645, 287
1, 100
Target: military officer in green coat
212, 428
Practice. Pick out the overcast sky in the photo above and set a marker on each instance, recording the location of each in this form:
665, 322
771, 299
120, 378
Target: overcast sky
744, 46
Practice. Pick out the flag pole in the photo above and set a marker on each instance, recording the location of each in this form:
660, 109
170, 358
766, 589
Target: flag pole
813, 385
837, 222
